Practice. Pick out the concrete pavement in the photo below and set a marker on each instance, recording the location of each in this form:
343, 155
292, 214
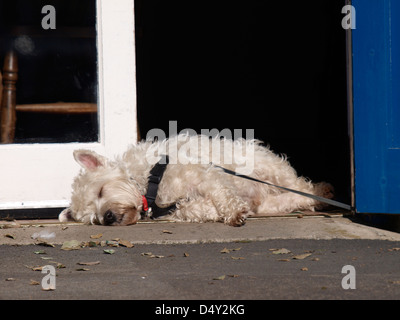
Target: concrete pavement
202, 261
315, 227
309, 269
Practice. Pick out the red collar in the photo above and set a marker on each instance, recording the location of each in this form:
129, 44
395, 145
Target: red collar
145, 204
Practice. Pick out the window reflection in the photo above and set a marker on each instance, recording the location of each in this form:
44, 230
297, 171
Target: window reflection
52, 73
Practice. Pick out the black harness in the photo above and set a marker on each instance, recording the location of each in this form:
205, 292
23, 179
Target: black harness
150, 208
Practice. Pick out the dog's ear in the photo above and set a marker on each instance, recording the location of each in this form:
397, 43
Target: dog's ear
89, 160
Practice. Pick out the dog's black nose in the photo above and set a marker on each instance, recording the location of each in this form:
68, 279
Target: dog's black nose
109, 217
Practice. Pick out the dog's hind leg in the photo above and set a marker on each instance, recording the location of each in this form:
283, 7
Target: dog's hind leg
287, 202
231, 208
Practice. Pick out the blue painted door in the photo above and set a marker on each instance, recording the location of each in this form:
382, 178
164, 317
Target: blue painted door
376, 89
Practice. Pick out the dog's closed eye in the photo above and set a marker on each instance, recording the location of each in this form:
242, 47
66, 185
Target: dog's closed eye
100, 193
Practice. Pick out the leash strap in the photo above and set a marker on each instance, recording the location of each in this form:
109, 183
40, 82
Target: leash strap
312, 196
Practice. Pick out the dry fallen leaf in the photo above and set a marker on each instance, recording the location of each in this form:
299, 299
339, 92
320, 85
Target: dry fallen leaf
126, 243
304, 269
150, 255
226, 250
219, 278
109, 251
96, 236
34, 283
11, 279
281, 251
238, 258
37, 268
92, 244
186, 254
41, 242
112, 243
58, 265
11, 236
71, 245
93, 263
167, 231
83, 269
301, 256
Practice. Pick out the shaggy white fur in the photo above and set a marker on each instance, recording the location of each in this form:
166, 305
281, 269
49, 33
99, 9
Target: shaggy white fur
110, 192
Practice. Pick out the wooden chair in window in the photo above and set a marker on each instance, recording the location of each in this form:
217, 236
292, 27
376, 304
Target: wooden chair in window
9, 107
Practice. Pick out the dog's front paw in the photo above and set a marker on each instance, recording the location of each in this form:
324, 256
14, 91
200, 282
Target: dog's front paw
65, 215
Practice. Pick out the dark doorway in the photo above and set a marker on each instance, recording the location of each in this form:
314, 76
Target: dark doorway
278, 68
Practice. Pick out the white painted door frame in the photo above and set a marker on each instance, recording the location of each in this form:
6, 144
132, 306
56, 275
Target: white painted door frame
40, 175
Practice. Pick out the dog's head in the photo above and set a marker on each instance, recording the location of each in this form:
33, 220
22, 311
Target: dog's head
103, 193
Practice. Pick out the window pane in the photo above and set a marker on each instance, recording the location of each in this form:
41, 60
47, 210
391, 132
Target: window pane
57, 68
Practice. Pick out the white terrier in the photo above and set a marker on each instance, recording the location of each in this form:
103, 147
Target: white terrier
111, 192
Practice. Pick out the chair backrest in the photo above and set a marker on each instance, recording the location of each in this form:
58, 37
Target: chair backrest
8, 117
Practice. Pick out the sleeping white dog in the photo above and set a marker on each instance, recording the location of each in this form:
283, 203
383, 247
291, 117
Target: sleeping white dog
112, 192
